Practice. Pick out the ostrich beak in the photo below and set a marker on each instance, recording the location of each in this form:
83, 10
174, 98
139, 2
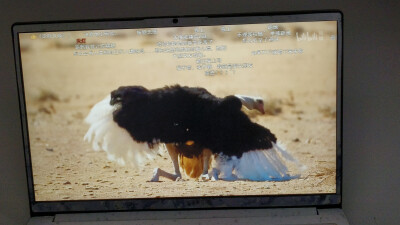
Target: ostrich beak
252, 103
260, 107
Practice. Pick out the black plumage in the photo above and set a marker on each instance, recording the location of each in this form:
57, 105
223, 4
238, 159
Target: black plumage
183, 115
197, 128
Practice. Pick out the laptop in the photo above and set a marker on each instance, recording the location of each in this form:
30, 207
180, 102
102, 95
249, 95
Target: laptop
231, 119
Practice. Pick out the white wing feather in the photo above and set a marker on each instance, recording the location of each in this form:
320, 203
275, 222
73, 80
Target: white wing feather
105, 134
260, 165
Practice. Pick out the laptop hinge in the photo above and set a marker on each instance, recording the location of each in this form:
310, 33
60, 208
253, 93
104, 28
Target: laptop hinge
186, 214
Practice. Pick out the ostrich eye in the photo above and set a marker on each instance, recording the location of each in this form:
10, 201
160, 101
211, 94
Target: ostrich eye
259, 101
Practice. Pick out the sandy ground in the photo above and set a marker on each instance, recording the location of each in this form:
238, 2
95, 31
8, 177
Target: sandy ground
299, 89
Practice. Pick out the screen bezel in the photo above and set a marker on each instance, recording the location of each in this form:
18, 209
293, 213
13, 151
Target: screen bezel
304, 200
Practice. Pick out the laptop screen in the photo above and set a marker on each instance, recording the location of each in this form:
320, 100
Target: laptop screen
189, 112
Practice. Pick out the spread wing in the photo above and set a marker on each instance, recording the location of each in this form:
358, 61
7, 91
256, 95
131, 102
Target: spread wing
105, 134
